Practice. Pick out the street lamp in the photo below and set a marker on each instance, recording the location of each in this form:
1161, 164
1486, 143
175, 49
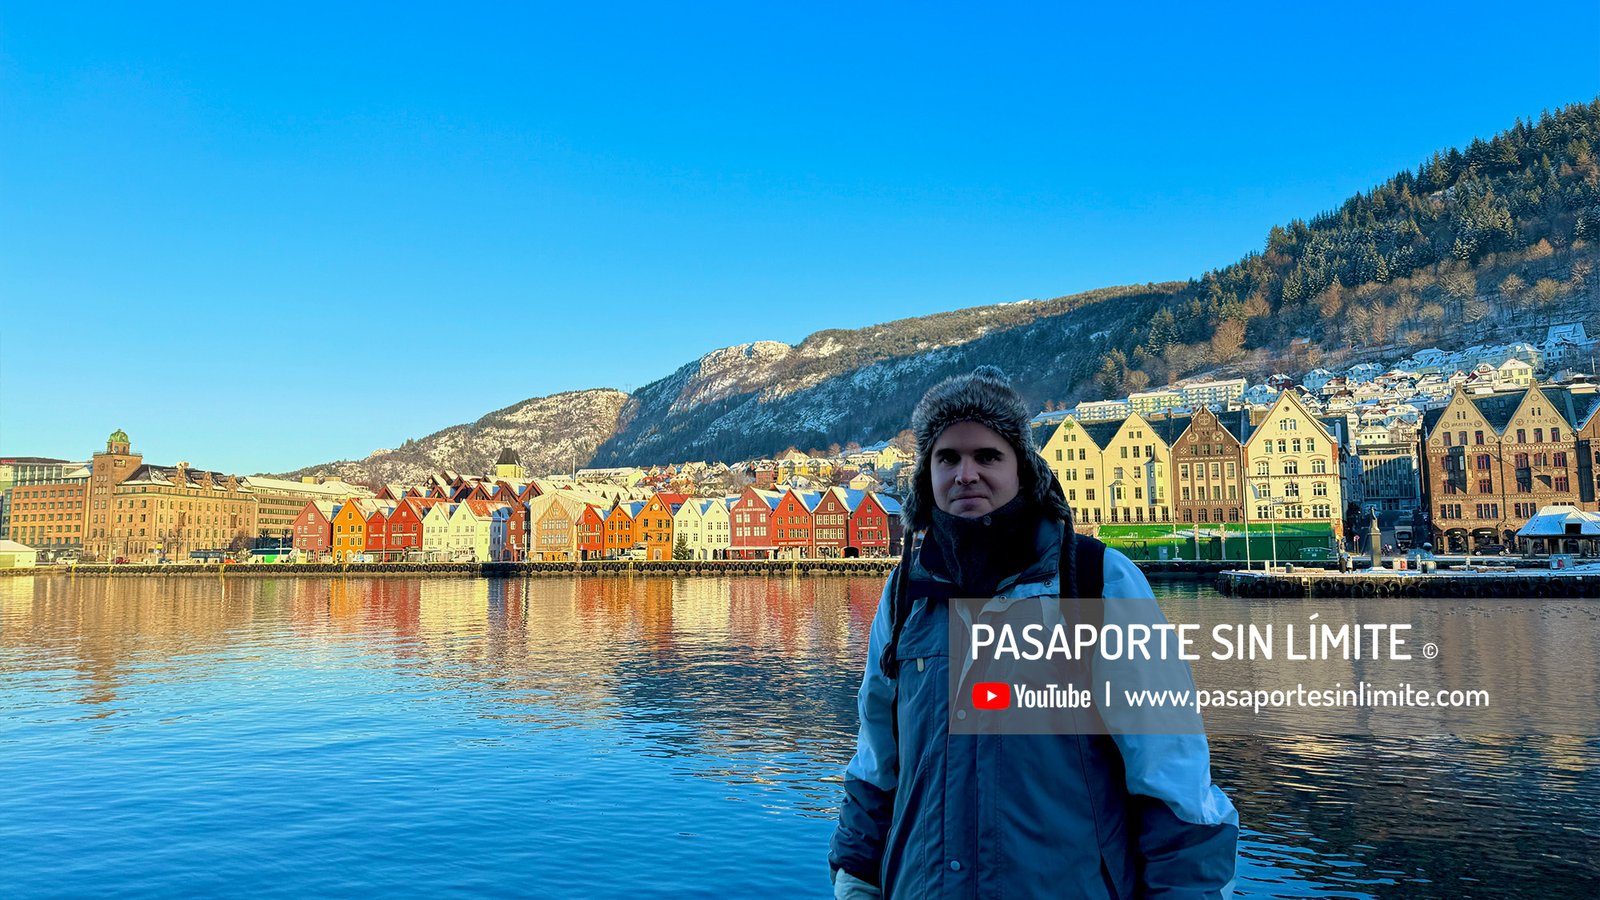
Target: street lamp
1258, 489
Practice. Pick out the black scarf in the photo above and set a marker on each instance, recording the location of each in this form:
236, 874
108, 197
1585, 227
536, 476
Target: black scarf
980, 552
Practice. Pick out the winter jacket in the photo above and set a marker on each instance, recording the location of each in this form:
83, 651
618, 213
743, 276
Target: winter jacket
928, 814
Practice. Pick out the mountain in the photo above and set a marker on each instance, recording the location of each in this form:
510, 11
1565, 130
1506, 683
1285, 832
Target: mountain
1489, 242
550, 434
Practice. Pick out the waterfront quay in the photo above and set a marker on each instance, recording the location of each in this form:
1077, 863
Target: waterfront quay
601, 568
1483, 581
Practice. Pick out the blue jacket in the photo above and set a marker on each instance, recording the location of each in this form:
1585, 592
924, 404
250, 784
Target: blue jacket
928, 814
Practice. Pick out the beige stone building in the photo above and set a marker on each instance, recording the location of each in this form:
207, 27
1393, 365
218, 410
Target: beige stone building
1293, 467
145, 512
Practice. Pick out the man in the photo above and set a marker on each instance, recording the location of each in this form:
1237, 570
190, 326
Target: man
931, 814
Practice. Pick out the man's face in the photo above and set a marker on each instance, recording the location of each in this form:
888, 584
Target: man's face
974, 470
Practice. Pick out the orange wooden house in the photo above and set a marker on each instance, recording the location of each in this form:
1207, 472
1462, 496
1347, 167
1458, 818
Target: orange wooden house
654, 524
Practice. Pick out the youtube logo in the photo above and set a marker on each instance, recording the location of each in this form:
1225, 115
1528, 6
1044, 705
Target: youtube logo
991, 695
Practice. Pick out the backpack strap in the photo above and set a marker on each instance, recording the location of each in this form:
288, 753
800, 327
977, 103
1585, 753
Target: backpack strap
1088, 568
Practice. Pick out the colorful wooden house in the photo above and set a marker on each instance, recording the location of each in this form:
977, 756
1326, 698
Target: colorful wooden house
830, 525
751, 521
591, 532
436, 529
654, 525
873, 526
556, 519
620, 529
313, 527
349, 530
404, 529
377, 530
791, 524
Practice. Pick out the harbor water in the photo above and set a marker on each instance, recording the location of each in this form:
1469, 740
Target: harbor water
611, 737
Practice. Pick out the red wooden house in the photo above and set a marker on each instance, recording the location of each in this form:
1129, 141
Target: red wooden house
830, 525
873, 528
591, 533
313, 528
377, 529
750, 517
791, 524
404, 528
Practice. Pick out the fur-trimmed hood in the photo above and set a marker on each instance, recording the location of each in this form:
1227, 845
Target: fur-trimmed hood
984, 396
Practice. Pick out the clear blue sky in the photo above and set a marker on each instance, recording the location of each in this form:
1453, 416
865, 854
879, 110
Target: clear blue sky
259, 239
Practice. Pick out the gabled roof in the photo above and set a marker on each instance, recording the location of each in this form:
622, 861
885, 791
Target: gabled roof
1498, 409
890, 505
1043, 431
1170, 428
809, 499
1571, 407
1103, 432
488, 509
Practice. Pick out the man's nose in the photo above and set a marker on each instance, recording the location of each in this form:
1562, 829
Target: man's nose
967, 472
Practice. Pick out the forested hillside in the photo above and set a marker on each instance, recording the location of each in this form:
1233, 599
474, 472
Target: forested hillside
1501, 234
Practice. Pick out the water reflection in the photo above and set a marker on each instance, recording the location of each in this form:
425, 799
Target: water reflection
747, 685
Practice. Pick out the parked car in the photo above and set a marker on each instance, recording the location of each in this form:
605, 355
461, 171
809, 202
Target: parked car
120, 561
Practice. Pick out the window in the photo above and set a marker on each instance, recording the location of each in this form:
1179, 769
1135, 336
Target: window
1538, 435
1485, 485
1292, 489
1319, 467
1291, 467
1477, 437
1183, 471
1261, 467
1319, 489
1522, 436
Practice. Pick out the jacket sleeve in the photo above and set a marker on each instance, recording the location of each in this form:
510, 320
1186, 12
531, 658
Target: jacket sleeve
1187, 830
871, 776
